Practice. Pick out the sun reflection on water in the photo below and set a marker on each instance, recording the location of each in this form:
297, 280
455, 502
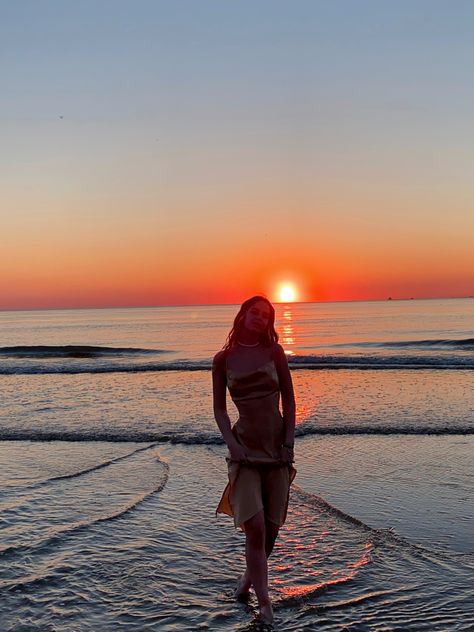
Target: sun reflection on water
287, 330
339, 576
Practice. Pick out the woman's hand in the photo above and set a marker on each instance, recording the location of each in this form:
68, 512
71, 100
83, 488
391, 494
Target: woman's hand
237, 452
287, 455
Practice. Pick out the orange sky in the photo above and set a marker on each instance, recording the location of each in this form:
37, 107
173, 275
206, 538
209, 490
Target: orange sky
139, 268
235, 155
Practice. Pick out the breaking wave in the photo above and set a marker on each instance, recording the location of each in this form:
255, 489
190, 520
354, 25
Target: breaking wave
192, 436
79, 362
461, 344
72, 351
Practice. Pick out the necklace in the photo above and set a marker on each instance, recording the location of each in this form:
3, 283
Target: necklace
242, 344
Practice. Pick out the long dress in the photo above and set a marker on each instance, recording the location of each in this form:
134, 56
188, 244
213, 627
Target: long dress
263, 481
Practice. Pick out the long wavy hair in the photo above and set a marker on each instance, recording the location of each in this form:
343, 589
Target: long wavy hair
268, 337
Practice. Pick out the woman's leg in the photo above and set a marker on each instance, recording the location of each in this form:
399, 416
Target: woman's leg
256, 557
242, 592
274, 480
271, 533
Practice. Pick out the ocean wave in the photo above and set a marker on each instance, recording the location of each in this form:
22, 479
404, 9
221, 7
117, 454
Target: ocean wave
445, 343
72, 351
379, 536
88, 470
308, 362
62, 531
210, 437
380, 362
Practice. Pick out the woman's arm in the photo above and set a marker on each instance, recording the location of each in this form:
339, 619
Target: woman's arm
219, 384
287, 394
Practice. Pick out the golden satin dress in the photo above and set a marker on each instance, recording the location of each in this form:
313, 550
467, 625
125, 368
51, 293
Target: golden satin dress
263, 482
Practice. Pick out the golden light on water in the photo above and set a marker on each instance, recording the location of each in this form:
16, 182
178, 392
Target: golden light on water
287, 331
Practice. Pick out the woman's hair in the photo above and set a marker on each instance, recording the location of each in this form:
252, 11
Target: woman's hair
267, 337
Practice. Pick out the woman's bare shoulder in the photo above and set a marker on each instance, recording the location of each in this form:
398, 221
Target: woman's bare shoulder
218, 361
279, 354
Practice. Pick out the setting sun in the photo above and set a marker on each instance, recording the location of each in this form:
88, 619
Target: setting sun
287, 293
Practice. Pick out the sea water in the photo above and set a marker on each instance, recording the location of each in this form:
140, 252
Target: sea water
111, 467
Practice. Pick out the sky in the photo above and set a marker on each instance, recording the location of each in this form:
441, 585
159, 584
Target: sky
186, 152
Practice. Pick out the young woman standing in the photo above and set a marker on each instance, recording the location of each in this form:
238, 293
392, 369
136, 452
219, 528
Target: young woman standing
253, 366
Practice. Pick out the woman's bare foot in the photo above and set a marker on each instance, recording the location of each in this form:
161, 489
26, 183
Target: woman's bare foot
242, 592
266, 613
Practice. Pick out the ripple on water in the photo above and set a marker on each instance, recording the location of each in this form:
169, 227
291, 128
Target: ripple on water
168, 563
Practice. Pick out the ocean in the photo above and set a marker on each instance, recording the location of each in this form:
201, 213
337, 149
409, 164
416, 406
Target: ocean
111, 467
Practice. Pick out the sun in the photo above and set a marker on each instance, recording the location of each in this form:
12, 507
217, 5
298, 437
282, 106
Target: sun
287, 293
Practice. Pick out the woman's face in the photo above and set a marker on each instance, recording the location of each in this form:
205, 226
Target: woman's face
257, 317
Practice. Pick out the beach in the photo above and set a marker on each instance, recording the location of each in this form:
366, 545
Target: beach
112, 468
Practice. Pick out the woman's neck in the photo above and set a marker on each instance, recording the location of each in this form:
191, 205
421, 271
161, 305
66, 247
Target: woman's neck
248, 338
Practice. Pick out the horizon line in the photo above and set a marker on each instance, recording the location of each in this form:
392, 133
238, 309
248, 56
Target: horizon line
365, 300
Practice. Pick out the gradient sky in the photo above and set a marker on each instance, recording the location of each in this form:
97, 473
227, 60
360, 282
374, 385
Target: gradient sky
196, 151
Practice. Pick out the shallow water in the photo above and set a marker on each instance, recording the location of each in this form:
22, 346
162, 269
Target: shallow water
177, 405
420, 486
127, 538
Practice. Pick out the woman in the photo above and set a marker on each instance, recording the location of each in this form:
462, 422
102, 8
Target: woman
254, 368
